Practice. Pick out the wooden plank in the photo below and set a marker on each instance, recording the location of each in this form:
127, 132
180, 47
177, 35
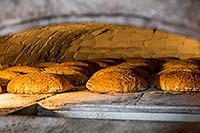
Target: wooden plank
71, 100
10, 103
151, 105
161, 98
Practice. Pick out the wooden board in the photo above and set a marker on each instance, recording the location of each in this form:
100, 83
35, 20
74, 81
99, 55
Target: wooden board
149, 105
12, 102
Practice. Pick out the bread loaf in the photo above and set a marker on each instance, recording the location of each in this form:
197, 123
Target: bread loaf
181, 64
135, 70
38, 83
146, 64
6, 76
113, 79
23, 69
75, 77
88, 68
178, 80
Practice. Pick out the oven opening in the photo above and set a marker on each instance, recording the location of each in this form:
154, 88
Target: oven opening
110, 66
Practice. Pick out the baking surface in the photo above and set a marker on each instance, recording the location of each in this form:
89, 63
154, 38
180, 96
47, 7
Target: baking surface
66, 100
147, 105
12, 102
150, 105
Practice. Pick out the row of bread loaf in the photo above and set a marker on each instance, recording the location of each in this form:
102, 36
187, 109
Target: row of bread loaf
103, 76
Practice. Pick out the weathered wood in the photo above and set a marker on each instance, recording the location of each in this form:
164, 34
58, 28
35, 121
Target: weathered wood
161, 98
71, 100
153, 105
10, 103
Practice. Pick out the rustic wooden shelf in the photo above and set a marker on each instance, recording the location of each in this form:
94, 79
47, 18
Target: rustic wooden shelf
10, 103
148, 105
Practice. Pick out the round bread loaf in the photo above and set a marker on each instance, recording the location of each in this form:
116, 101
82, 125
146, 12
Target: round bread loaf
6, 76
142, 65
135, 70
23, 69
38, 83
183, 81
88, 67
116, 80
79, 66
181, 64
181, 69
75, 77
150, 61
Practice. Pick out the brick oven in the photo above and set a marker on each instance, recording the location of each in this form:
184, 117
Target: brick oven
98, 29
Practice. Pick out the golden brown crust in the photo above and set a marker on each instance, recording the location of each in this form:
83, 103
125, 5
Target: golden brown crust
142, 65
135, 70
75, 77
74, 63
181, 64
6, 76
116, 80
38, 83
77, 65
23, 69
88, 67
151, 61
187, 80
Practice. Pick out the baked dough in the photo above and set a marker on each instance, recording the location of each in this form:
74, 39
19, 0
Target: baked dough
74, 76
118, 80
23, 69
6, 76
178, 80
38, 83
135, 70
181, 64
90, 67
142, 65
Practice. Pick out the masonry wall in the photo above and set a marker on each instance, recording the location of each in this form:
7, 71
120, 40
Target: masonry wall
90, 41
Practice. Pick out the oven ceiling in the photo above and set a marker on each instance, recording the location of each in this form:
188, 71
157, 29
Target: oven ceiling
177, 16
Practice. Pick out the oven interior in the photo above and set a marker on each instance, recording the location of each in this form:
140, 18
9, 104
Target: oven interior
100, 36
